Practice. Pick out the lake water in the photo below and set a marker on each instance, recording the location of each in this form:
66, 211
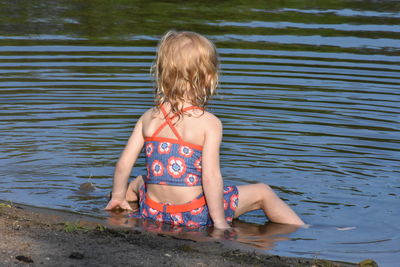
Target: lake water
309, 98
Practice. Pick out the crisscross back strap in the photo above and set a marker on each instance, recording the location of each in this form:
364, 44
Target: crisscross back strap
168, 120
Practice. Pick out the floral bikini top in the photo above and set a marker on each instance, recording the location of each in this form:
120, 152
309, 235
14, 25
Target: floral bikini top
172, 161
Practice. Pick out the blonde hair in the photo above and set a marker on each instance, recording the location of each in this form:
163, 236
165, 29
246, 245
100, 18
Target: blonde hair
185, 69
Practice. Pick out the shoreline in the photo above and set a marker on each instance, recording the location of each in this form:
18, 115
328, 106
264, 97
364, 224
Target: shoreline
38, 236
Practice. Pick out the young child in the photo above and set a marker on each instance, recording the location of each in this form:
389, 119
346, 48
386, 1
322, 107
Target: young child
183, 185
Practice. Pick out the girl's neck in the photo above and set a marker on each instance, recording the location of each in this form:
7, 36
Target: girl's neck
181, 105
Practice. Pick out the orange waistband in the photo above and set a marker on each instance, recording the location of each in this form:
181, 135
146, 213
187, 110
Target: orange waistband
194, 204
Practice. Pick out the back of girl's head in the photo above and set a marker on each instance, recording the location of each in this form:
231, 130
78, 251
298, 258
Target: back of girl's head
186, 70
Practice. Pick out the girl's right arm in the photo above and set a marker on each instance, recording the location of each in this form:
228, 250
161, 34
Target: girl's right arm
124, 167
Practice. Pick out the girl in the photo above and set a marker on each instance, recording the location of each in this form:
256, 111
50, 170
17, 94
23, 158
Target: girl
183, 185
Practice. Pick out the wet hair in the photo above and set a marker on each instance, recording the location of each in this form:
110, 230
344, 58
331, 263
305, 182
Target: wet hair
185, 69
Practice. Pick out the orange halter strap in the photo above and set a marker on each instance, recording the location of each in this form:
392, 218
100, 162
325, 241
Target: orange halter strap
168, 121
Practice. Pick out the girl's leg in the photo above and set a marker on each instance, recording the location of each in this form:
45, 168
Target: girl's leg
261, 196
132, 194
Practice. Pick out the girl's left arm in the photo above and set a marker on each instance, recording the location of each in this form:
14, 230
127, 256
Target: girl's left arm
211, 173
124, 167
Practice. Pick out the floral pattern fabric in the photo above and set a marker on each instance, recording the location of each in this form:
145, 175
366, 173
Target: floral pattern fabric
172, 164
194, 218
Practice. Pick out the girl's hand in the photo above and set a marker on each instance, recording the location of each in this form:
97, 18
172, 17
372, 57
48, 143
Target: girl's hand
223, 225
229, 233
117, 203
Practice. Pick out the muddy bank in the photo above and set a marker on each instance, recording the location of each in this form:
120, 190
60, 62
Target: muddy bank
32, 237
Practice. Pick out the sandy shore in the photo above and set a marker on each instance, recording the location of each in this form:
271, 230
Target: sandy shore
33, 236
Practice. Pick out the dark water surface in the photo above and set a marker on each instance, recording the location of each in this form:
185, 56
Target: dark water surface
309, 98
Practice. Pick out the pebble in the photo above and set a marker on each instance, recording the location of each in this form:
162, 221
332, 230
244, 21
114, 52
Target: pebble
24, 258
76, 255
87, 187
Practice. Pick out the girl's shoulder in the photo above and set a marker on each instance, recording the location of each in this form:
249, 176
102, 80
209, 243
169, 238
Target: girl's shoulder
210, 122
210, 117
149, 114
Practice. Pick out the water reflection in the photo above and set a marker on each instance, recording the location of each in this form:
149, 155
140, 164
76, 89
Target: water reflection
255, 235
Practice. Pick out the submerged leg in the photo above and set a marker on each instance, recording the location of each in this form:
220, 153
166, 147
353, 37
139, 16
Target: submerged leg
261, 196
132, 194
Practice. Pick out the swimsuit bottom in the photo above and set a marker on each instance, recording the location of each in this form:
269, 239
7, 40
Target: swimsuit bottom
192, 214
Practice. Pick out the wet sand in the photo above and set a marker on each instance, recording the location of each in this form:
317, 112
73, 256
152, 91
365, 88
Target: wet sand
39, 237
